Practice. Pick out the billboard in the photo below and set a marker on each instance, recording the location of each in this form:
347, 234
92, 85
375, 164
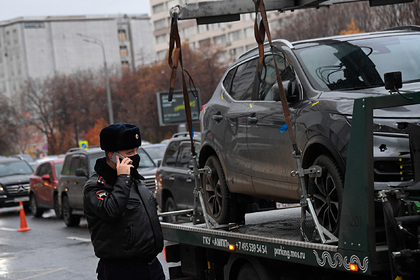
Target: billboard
173, 113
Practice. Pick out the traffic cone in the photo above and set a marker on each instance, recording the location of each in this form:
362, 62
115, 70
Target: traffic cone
23, 225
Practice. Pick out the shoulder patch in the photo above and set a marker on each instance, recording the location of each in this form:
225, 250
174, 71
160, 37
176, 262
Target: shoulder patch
101, 194
100, 180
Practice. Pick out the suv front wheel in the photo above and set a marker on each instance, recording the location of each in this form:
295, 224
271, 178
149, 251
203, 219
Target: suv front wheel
69, 219
215, 191
327, 192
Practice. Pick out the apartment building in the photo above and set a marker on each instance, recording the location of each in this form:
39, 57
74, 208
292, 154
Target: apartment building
37, 47
236, 37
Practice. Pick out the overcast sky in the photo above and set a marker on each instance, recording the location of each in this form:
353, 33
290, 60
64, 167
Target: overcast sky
22, 8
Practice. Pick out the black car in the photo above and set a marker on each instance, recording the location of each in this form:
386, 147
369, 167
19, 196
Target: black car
244, 133
14, 181
174, 181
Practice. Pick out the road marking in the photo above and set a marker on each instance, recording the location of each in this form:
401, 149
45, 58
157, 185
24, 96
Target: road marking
48, 271
8, 229
78, 239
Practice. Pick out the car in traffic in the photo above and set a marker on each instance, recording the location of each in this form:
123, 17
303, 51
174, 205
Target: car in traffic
14, 181
43, 192
155, 151
245, 141
78, 166
174, 181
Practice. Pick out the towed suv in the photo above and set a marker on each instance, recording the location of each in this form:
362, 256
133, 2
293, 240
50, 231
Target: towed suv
243, 128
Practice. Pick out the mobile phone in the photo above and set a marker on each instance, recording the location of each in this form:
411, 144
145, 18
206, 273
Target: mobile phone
114, 157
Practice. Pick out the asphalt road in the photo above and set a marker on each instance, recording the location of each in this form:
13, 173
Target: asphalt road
49, 250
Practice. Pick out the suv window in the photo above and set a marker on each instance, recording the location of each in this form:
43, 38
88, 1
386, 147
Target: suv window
43, 169
145, 160
184, 155
239, 82
240, 87
92, 160
171, 154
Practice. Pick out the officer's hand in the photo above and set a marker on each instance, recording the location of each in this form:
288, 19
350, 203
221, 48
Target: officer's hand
124, 166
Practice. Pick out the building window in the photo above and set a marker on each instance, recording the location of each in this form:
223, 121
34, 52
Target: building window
162, 39
124, 64
159, 8
159, 24
234, 36
122, 36
249, 32
219, 40
123, 51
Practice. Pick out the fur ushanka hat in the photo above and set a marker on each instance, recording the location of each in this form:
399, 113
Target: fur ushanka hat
120, 136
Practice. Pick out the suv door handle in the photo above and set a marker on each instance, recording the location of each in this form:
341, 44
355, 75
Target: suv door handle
171, 178
188, 180
252, 119
217, 117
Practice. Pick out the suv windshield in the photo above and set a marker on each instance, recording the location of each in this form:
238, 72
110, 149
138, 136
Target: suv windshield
361, 63
14, 168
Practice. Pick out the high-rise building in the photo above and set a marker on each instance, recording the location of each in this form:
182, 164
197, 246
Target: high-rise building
37, 47
236, 37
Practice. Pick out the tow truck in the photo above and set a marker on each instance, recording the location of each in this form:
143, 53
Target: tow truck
379, 235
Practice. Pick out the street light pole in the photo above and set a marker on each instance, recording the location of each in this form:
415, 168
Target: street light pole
108, 89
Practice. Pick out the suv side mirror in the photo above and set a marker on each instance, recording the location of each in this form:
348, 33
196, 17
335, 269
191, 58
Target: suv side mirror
80, 172
291, 89
46, 177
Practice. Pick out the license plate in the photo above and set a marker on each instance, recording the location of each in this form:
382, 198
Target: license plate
23, 198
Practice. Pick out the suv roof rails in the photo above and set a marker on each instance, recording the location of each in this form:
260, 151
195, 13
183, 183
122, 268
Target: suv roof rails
184, 134
406, 27
78, 148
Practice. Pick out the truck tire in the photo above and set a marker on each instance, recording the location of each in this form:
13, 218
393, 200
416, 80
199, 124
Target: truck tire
327, 193
69, 219
215, 191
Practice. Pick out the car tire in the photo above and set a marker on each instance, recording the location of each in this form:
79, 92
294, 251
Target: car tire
57, 208
327, 192
33, 207
169, 207
215, 191
69, 219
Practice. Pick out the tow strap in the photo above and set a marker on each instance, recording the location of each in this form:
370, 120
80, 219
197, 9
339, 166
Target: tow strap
260, 29
175, 58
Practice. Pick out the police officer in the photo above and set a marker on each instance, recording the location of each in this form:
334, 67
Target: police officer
121, 212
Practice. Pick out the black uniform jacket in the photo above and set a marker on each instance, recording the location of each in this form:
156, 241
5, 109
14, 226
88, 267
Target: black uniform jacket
121, 215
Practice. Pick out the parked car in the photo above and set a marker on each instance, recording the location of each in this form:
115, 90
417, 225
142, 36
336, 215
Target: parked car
43, 192
14, 181
147, 169
174, 185
242, 124
155, 151
78, 166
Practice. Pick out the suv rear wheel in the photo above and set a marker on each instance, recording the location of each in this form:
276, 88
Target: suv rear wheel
69, 219
215, 191
33, 207
327, 192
